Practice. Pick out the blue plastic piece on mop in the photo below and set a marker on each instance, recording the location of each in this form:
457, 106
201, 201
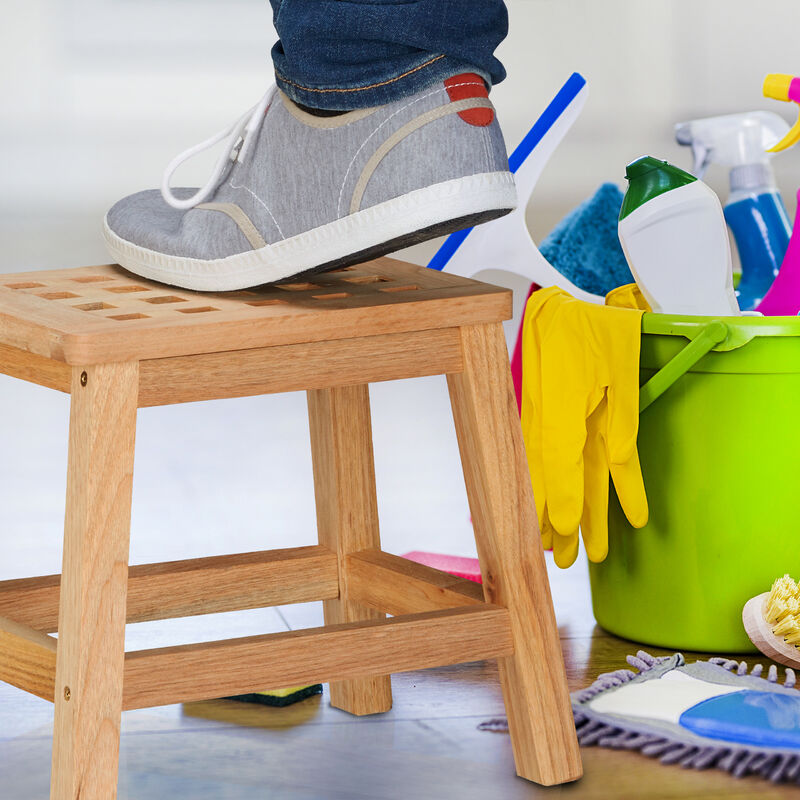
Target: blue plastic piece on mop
558, 105
759, 719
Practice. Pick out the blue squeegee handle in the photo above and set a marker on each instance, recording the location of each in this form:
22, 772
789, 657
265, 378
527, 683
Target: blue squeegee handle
558, 105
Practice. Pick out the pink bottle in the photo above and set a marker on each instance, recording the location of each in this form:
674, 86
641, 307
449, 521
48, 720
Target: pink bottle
783, 298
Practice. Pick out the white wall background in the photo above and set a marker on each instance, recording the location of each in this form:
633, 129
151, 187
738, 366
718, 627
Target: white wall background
97, 95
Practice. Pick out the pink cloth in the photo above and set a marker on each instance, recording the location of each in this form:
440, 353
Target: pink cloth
516, 358
459, 566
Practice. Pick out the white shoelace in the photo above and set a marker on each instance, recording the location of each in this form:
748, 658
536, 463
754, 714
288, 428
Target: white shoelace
238, 138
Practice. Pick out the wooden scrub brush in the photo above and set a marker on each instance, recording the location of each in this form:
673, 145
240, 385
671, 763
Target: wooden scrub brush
772, 621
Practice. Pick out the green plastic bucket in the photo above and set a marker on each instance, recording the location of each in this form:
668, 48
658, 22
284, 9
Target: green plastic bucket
719, 443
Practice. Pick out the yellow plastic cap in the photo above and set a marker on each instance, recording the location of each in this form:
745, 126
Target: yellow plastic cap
776, 86
779, 87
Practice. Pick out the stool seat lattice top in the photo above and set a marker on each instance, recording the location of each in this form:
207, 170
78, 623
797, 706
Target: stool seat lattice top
96, 314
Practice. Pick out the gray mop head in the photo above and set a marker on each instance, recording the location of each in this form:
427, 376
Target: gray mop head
706, 714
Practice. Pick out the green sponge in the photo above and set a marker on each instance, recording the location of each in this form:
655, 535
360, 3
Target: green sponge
280, 697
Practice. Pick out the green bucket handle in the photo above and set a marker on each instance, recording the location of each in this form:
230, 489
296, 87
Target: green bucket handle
709, 335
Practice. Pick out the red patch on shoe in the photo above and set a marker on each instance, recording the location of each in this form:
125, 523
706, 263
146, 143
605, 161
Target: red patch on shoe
465, 87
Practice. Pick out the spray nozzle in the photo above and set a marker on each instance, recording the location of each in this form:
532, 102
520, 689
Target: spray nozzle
786, 88
732, 140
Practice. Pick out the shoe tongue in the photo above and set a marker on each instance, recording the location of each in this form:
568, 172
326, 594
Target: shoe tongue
464, 87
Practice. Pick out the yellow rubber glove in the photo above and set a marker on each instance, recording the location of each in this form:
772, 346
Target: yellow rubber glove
580, 418
537, 317
628, 296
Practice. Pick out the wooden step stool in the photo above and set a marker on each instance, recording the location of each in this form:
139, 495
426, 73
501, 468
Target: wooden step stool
116, 342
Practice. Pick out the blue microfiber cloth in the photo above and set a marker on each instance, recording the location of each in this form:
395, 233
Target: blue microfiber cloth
584, 247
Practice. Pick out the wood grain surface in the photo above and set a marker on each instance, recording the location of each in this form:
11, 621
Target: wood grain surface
91, 642
514, 575
295, 367
27, 659
347, 518
339, 654
193, 586
98, 314
396, 585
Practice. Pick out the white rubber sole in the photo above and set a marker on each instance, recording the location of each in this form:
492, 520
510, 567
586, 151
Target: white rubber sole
356, 233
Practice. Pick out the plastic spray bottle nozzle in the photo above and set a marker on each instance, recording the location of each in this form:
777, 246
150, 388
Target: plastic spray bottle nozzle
732, 140
787, 89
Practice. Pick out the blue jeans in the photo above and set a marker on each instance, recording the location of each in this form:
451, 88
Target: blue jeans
346, 54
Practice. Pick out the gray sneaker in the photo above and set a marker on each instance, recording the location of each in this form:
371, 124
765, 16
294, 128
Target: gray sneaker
294, 193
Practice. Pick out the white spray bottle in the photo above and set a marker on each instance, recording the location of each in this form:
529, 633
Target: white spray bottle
754, 211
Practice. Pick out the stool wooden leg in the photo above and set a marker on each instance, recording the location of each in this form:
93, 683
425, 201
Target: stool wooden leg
347, 516
512, 562
91, 633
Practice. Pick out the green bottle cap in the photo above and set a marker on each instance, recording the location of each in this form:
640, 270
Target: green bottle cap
647, 178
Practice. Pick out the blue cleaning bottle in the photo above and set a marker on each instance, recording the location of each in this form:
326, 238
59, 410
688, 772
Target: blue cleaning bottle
754, 211
757, 216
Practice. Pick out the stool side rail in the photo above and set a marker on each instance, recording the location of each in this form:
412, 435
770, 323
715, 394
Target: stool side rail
266, 370
192, 587
295, 367
336, 652
198, 586
398, 586
27, 659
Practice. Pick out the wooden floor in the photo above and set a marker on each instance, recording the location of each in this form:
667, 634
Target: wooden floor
428, 746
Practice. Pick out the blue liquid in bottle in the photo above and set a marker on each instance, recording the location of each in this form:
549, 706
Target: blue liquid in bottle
762, 230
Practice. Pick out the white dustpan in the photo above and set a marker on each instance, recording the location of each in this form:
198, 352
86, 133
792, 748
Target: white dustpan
505, 243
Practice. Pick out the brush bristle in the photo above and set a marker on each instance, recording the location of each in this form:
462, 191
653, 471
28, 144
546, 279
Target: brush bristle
782, 610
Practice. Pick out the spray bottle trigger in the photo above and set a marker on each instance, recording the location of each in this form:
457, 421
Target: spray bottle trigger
702, 159
700, 152
786, 88
791, 139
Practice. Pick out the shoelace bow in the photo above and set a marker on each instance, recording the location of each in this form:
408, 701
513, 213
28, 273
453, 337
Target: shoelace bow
238, 138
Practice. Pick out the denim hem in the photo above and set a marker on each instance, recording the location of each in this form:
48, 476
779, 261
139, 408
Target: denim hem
386, 90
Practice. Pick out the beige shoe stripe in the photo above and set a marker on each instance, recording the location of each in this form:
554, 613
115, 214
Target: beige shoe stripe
241, 219
325, 123
401, 133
